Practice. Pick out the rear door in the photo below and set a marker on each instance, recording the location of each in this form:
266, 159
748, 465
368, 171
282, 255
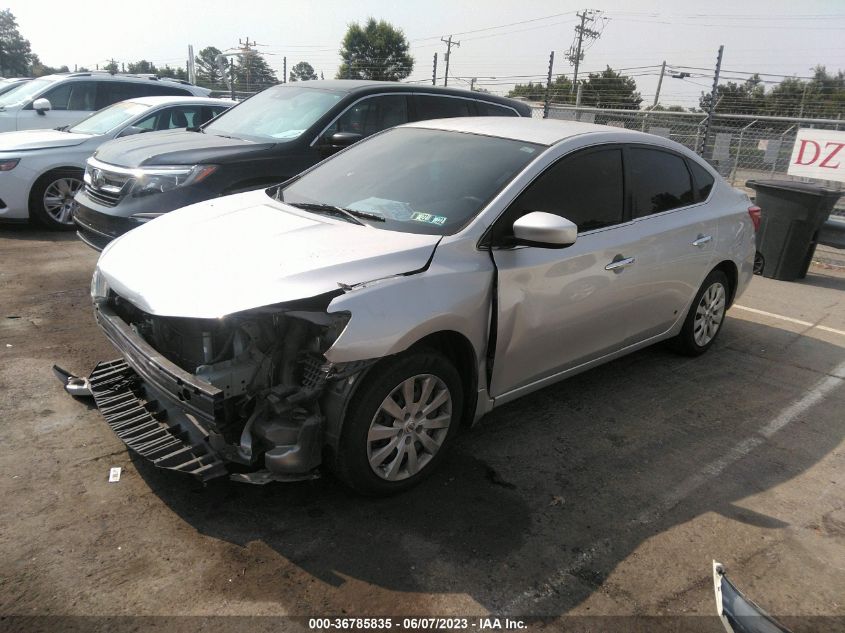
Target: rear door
676, 238
560, 308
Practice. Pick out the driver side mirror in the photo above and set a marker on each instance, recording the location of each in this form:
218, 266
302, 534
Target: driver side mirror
544, 230
41, 105
339, 140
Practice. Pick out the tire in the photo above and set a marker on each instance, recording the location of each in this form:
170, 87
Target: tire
706, 316
51, 201
382, 453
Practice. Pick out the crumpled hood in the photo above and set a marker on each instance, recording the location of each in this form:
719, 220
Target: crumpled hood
246, 251
39, 139
176, 147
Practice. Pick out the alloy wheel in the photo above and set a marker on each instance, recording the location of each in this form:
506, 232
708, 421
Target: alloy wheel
409, 427
709, 314
58, 199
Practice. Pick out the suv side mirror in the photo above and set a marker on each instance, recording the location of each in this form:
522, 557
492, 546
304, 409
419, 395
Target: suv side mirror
339, 140
545, 230
41, 105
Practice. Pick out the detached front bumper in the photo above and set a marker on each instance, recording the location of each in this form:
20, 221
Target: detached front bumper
169, 416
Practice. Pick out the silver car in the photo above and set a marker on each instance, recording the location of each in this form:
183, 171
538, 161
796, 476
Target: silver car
359, 314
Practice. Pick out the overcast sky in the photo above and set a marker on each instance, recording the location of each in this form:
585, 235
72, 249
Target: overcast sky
499, 38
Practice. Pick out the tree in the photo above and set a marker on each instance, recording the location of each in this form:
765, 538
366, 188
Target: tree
142, 67
378, 51
15, 53
253, 72
560, 91
112, 67
172, 73
303, 71
37, 69
208, 71
610, 89
747, 97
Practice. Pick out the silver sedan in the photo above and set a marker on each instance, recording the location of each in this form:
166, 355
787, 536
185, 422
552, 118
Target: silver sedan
356, 316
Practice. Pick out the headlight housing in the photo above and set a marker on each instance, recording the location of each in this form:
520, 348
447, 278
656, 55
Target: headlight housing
167, 178
99, 286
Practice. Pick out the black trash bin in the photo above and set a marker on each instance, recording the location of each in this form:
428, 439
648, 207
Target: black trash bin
793, 213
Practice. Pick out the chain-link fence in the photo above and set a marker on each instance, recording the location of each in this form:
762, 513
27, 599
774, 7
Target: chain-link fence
740, 147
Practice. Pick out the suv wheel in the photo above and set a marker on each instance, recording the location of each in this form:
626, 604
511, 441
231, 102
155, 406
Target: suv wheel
399, 424
51, 200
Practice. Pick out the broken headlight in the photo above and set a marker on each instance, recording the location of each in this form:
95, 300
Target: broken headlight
161, 179
99, 286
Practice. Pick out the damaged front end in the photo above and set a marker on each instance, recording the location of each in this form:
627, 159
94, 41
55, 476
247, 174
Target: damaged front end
239, 394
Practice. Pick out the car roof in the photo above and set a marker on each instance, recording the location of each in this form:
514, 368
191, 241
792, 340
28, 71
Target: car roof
360, 86
530, 130
159, 101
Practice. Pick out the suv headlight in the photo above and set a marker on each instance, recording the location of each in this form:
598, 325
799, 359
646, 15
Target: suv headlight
161, 179
99, 286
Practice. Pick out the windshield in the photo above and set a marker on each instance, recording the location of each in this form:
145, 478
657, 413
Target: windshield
24, 92
419, 181
109, 118
277, 114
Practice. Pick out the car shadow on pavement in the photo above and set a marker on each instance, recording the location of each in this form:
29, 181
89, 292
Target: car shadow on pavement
536, 508
823, 280
35, 233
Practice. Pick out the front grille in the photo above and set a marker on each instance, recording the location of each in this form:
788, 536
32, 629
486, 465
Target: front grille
106, 199
106, 187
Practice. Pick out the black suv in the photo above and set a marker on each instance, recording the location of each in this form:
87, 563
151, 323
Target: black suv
267, 139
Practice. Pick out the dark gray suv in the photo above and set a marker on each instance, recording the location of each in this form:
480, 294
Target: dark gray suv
267, 139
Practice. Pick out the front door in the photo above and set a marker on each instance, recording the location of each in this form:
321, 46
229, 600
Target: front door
559, 308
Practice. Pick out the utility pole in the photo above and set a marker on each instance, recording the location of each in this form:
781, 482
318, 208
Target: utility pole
434, 71
449, 44
548, 85
192, 74
659, 83
583, 35
472, 83
232, 78
284, 70
245, 50
712, 108
803, 97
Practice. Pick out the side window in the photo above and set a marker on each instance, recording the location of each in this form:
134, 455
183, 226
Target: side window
372, 115
110, 92
73, 95
491, 109
148, 123
435, 107
703, 180
661, 181
162, 90
585, 188
210, 113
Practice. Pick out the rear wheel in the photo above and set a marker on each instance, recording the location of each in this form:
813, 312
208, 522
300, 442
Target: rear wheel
51, 200
706, 316
400, 423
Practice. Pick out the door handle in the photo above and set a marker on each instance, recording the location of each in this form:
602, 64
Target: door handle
618, 264
701, 240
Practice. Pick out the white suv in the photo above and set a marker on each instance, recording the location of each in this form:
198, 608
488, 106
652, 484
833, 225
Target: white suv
59, 100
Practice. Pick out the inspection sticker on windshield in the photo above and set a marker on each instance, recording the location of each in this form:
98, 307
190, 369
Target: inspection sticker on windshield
428, 218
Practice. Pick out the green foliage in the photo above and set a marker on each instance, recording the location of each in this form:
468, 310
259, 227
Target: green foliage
823, 96
142, 67
607, 89
303, 71
378, 51
112, 67
173, 73
15, 53
610, 89
252, 72
208, 73
37, 69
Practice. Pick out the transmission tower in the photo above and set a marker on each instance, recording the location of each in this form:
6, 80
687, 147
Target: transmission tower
586, 33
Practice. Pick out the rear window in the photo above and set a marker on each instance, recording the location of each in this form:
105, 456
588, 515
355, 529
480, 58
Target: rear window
703, 180
433, 107
661, 181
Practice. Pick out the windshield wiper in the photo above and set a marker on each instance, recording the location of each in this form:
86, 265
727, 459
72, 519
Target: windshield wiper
350, 214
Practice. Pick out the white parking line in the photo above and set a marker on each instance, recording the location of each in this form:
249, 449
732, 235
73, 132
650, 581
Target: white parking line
780, 317
814, 395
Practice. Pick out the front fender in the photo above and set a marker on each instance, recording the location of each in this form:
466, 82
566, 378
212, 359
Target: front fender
390, 315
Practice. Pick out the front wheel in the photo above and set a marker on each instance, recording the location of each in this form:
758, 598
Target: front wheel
51, 201
706, 316
399, 424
